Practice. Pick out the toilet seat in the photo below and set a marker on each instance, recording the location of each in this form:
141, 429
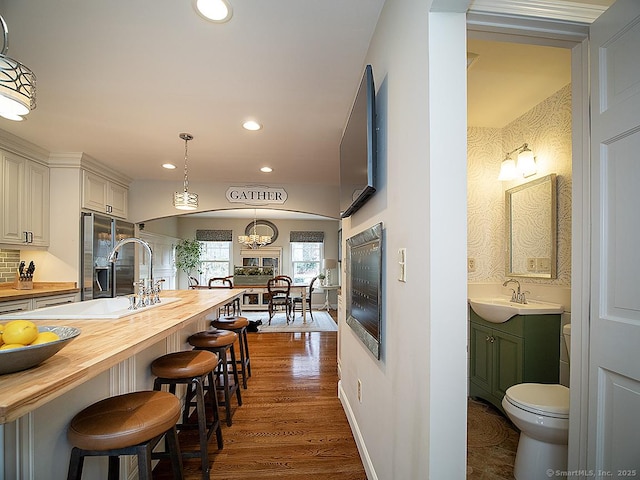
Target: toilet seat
549, 400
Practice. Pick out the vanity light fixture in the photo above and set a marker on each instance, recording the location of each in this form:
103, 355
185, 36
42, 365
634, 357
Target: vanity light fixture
252, 125
17, 84
254, 241
218, 11
525, 167
185, 200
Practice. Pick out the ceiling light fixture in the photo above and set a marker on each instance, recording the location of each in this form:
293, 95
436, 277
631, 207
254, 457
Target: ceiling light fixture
218, 11
185, 200
254, 240
169, 166
525, 167
266, 169
17, 84
252, 125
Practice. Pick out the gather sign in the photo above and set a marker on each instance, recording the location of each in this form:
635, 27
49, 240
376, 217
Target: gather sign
256, 195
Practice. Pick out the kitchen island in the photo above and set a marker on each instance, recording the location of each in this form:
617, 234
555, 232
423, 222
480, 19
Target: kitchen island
109, 357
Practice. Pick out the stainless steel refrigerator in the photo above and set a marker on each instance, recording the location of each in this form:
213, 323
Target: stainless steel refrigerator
100, 278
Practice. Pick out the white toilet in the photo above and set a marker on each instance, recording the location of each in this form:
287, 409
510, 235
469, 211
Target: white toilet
541, 412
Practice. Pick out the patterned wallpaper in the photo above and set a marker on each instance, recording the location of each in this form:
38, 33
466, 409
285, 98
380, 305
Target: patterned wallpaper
547, 130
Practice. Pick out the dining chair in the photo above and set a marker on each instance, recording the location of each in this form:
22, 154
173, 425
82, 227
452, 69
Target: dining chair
226, 282
193, 282
298, 300
279, 292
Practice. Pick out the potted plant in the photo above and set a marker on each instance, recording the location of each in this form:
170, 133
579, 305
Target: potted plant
321, 277
187, 256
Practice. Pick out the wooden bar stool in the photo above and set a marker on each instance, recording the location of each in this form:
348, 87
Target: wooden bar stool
192, 368
221, 342
129, 424
238, 325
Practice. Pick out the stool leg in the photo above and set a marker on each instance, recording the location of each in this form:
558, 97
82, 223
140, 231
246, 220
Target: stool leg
246, 351
235, 374
225, 377
174, 452
76, 463
215, 408
243, 366
202, 427
144, 461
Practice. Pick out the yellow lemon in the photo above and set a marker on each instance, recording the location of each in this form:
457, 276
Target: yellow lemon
45, 337
20, 331
10, 346
1, 330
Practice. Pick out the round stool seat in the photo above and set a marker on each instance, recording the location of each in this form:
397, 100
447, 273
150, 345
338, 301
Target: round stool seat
192, 363
213, 339
231, 323
124, 420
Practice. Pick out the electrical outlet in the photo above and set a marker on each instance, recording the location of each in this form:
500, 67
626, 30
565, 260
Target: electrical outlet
359, 391
543, 264
531, 264
471, 264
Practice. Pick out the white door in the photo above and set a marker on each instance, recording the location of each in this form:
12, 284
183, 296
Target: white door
614, 356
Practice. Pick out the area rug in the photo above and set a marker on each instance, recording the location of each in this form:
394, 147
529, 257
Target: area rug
322, 322
485, 428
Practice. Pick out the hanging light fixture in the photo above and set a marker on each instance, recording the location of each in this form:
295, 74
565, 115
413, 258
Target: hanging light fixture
185, 200
254, 240
525, 167
17, 84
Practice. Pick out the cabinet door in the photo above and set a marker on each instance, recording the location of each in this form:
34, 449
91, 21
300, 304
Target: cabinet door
13, 199
481, 361
507, 361
15, 306
36, 220
54, 300
117, 199
94, 192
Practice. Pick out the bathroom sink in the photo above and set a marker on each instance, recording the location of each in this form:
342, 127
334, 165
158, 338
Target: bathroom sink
500, 309
100, 308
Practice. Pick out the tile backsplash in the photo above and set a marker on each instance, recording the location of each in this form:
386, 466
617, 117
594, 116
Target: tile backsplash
9, 262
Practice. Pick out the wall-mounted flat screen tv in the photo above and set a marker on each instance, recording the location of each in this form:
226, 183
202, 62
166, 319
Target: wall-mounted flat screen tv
364, 286
358, 149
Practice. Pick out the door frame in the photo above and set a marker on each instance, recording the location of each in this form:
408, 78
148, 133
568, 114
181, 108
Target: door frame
556, 33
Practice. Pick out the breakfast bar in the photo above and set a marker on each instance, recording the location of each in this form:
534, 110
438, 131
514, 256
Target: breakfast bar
109, 357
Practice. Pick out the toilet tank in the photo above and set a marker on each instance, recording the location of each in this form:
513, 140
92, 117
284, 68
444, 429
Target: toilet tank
566, 333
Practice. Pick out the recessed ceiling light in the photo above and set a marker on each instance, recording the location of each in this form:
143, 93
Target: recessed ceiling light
218, 11
266, 169
251, 125
168, 166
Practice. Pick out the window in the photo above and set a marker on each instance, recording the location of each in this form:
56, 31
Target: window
216, 261
306, 258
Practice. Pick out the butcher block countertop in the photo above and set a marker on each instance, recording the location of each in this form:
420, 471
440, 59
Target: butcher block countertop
40, 289
101, 345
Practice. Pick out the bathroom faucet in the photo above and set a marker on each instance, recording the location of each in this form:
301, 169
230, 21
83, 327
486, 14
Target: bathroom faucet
516, 296
113, 256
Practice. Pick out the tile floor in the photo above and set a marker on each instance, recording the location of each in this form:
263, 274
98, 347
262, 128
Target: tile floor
492, 441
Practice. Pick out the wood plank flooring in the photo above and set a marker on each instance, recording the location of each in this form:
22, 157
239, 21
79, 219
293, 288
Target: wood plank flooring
291, 425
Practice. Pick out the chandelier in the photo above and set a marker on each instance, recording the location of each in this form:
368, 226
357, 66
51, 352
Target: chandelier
254, 240
17, 84
185, 200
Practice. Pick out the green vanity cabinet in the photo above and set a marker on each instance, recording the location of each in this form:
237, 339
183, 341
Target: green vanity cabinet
525, 348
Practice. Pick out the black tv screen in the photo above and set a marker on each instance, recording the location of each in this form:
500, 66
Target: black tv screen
358, 149
364, 286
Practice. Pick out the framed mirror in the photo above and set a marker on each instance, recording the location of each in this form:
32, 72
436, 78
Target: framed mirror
263, 227
531, 229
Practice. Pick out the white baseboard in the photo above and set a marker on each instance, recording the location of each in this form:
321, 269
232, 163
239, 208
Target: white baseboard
357, 435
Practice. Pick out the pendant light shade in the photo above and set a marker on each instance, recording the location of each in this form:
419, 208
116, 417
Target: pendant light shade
17, 84
185, 200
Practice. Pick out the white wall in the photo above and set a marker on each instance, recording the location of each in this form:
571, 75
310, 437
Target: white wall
411, 422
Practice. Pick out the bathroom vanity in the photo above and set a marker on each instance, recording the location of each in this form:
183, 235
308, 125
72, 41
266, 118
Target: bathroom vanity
524, 348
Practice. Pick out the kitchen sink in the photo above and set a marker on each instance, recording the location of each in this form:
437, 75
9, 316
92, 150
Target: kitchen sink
100, 308
499, 310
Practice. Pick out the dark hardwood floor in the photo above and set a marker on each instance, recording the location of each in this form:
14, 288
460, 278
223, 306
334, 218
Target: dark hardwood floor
291, 425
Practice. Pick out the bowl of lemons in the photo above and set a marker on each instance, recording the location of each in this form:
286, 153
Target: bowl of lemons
24, 345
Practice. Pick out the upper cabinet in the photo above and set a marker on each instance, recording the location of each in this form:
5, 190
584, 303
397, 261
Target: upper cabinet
103, 195
24, 214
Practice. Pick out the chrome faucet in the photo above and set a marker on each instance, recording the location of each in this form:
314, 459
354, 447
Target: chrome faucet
113, 256
515, 296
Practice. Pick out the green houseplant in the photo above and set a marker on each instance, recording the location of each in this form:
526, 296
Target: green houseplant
187, 256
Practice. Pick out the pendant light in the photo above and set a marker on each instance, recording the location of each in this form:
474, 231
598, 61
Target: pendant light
254, 241
17, 84
185, 200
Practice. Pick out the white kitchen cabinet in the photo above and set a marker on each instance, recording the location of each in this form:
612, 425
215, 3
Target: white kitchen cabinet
13, 306
103, 195
24, 215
